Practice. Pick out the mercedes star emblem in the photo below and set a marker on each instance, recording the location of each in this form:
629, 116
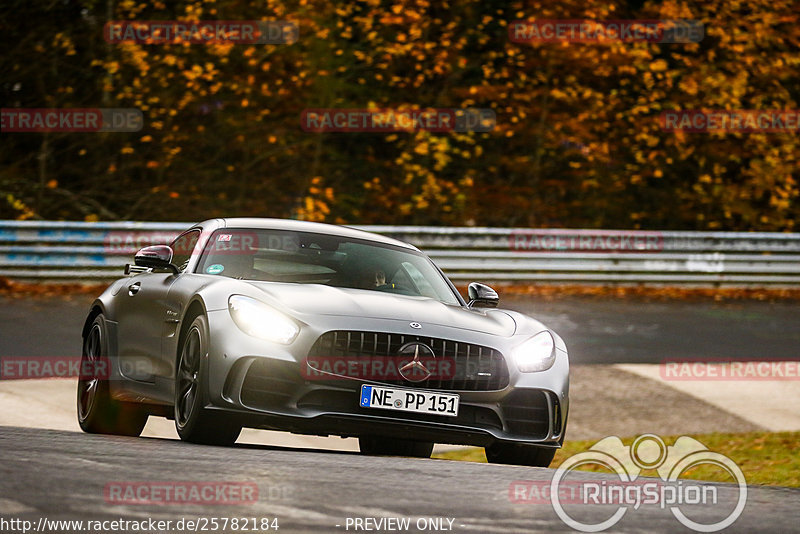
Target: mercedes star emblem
415, 370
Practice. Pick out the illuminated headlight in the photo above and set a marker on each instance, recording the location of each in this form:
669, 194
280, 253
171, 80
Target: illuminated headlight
536, 354
259, 320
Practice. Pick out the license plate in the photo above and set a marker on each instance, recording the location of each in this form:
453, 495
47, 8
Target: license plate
408, 400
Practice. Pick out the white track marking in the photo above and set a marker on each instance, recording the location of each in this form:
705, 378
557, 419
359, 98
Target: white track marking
772, 404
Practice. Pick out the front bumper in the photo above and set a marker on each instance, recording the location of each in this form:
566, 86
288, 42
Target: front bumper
262, 385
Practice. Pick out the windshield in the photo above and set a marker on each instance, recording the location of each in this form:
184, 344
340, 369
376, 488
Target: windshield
308, 258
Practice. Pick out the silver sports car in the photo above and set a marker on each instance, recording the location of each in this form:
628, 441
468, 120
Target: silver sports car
318, 329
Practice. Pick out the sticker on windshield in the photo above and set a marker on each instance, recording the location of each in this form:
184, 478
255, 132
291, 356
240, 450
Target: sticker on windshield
215, 269
224, 237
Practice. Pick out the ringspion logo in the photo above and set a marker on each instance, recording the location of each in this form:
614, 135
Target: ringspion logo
626, 491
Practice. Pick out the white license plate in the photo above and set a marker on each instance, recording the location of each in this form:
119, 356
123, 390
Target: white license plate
408, 400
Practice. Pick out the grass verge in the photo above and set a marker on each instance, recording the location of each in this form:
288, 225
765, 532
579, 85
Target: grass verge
766, 458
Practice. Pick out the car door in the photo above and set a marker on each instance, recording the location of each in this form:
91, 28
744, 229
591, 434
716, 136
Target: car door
176, 300
144, 316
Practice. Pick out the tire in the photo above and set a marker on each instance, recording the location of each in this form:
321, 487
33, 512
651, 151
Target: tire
514, 454
98, 412
193, 421
381, 446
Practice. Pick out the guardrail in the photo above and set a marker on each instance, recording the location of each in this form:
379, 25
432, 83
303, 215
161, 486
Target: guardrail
64, 251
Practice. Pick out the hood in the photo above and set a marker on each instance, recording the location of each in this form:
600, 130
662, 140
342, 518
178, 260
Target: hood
317, 299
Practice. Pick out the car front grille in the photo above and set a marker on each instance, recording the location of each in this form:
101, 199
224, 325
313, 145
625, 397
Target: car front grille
477, 368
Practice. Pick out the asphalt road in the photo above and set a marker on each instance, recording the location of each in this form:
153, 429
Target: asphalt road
595, 330
57, 474
62, 475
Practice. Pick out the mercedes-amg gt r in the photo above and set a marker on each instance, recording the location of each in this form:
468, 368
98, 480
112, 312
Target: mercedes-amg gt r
318, 329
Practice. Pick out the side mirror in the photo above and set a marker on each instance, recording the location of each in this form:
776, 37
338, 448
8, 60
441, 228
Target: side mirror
482, 296
155, 257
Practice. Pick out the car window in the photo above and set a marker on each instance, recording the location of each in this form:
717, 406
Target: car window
420, 282
307, 258
182, 248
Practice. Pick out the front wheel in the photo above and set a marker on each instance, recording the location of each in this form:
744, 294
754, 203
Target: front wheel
193, 421
516, 454
381, 446
98, 412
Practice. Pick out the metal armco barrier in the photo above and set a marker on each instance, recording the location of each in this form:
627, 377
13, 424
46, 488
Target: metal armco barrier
77, 251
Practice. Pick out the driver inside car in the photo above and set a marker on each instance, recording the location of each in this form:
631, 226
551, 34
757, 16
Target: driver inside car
380, 280
373, 278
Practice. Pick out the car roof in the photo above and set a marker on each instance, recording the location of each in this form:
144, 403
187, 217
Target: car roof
307, 226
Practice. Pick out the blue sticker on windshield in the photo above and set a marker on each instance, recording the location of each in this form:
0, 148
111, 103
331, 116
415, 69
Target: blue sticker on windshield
215, 269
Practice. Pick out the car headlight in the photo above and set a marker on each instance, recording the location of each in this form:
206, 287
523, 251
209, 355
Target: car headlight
536, 354
257, 319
